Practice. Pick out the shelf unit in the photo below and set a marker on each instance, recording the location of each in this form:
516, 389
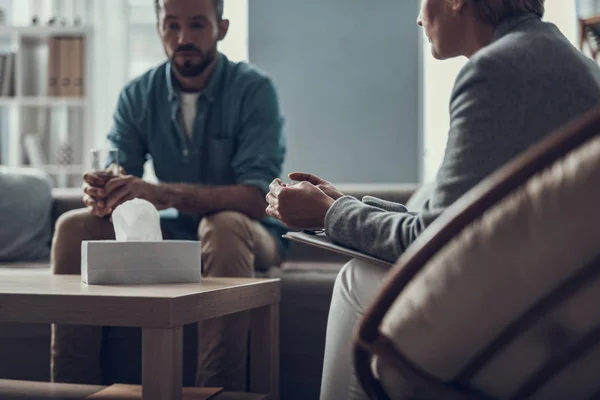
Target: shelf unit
40, 32
42, 101
62, 124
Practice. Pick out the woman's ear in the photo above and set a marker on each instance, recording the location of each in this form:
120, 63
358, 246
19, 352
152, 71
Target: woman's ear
458, 5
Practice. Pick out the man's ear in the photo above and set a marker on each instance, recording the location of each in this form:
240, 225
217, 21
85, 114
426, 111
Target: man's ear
223, 29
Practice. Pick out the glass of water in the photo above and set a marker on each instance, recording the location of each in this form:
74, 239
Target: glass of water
105, 160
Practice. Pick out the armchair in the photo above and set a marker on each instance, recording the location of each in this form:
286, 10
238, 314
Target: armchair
498, 299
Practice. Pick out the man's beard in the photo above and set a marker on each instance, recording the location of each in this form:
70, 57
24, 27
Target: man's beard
190, 69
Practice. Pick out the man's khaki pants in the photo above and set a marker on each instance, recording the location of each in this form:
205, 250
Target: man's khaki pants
232, 244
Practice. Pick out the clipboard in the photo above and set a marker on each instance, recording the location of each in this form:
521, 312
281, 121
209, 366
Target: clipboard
322, 241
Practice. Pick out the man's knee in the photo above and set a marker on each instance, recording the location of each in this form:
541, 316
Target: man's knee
225, 225
74, 224
227, 245
70, 230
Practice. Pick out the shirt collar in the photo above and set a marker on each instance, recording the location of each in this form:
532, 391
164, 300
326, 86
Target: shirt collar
510, 23
209, 91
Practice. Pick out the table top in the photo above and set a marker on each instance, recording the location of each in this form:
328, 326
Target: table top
25, 390
46, 298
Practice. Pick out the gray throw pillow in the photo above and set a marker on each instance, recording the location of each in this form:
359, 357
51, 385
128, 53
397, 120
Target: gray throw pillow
25, 215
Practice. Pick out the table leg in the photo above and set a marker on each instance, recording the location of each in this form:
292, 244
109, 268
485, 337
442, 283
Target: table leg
162, 363
264, 351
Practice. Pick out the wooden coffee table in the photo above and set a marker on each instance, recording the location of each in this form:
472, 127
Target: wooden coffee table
27, 390
161, 311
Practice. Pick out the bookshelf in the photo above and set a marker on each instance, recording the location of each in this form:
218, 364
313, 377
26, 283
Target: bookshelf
47, 110
42, 101
40, 32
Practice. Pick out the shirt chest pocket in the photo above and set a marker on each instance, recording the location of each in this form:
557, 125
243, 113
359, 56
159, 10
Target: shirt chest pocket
220, 152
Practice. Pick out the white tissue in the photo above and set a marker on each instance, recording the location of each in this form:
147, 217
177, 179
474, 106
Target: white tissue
137, 220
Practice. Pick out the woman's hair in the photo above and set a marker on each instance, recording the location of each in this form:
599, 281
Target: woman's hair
495, 11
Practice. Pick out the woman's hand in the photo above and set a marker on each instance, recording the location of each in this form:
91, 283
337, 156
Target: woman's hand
299, 206
322, 184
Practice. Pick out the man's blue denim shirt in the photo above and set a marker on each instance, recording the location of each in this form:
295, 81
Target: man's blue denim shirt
237, 139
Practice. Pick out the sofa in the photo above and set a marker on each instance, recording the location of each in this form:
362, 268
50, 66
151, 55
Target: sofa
307, 276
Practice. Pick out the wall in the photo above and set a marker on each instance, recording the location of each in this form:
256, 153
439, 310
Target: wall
587, 8
348, 77
235, 45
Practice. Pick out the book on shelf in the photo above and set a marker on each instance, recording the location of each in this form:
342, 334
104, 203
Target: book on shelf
66, 66
53, 66
4, 115
79, 67
34, 150
6, 8
7, 74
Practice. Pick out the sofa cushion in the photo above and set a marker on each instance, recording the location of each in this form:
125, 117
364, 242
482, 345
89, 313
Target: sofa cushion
66, 199
306, 290
540, 237
25, 211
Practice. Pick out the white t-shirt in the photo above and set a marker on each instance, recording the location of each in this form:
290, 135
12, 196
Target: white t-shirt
188, 111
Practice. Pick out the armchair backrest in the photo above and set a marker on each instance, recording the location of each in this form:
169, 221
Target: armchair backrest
498, 298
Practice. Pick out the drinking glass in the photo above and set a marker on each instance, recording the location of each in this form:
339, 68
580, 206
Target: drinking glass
105, 160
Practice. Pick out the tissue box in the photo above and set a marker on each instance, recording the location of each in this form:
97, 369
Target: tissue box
109, 262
